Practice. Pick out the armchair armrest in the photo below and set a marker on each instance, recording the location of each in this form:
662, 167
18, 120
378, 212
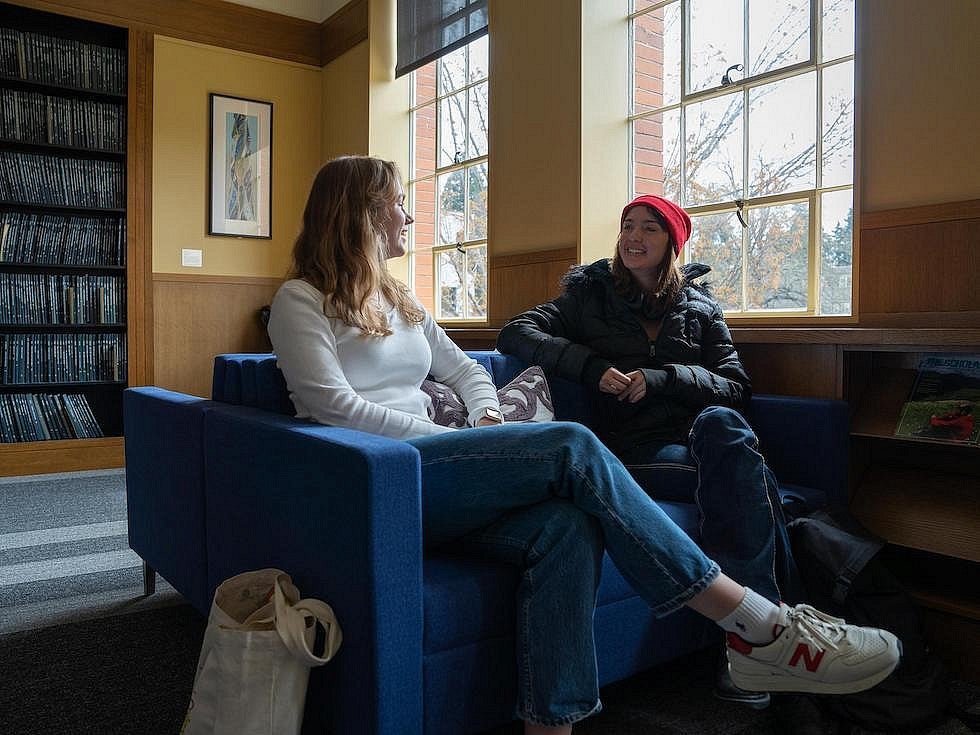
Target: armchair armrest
340, 511
165, 486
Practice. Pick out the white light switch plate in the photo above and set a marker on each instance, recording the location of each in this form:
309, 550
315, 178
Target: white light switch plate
192, 258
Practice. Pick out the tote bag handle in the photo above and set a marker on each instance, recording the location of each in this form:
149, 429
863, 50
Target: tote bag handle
292, 626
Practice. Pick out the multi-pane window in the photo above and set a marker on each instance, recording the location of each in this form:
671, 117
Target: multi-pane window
743, 112
448, 183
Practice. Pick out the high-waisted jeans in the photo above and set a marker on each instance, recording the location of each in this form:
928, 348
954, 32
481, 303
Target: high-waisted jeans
550, 498
721, 470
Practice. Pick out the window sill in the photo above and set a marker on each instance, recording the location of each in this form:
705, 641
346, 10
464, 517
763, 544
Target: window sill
845, 336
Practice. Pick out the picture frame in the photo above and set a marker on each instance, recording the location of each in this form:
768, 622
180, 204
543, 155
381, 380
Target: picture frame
240, 167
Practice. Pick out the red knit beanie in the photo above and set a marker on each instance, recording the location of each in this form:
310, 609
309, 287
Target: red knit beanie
678, 223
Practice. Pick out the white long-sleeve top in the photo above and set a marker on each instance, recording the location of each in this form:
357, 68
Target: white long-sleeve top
336, 375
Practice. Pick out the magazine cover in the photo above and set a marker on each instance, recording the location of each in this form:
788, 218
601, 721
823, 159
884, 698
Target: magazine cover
945, 400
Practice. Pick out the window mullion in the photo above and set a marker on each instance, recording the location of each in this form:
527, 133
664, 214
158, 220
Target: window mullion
685, 47
682, 109
816, 31
814, 246
746, 67
746, 231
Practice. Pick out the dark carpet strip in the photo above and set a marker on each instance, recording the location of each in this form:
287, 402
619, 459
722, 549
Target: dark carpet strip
122, 675
133, 674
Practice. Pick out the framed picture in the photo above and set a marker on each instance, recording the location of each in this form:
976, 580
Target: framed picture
240, 168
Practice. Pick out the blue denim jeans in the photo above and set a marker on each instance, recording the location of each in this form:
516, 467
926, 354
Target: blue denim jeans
723, 473
550, 498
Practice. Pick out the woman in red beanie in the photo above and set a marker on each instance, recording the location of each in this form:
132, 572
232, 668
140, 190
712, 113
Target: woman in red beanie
665, 385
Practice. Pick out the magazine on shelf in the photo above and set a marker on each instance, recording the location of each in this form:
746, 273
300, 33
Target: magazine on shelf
944, 404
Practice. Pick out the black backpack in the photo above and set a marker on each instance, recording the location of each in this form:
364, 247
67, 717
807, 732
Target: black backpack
839, 565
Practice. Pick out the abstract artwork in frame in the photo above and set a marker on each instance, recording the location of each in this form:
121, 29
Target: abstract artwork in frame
241, 167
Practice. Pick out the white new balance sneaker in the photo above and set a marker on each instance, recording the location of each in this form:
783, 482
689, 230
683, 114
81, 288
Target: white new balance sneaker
816, 654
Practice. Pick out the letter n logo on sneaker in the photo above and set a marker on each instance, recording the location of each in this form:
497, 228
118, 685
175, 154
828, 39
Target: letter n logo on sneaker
811, 662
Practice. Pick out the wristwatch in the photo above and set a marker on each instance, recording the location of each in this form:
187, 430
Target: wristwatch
491, 413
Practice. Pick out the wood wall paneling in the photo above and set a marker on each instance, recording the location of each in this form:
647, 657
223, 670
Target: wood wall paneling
809, 370
212, 22
523, 280
198, 317
139, 197
927, 214
343, 30
920, 266
227, 25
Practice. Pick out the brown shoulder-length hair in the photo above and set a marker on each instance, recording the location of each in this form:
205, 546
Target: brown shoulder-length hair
342, 247
670, 282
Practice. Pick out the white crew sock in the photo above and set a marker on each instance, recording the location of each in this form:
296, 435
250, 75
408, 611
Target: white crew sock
755, 620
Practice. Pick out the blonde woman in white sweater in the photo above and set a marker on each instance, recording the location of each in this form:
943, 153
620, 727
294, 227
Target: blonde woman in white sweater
354, 346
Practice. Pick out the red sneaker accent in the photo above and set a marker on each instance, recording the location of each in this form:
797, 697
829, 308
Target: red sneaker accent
803, 652
739, 644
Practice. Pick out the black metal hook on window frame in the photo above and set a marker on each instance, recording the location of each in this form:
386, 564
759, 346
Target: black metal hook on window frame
726, 80
740, 203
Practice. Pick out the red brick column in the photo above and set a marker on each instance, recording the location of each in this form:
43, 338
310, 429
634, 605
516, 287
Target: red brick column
648, 65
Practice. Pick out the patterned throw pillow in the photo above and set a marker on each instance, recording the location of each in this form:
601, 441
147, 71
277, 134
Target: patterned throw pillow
525, 398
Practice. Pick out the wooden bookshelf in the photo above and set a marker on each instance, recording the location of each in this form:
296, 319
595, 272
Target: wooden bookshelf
934, 512
64, 83
922, 496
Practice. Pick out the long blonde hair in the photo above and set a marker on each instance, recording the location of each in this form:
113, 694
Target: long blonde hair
342, 246
670, 281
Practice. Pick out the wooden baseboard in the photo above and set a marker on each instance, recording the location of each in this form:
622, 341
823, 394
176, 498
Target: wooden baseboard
38, 458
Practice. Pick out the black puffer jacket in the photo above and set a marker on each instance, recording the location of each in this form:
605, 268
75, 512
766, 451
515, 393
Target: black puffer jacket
589, 328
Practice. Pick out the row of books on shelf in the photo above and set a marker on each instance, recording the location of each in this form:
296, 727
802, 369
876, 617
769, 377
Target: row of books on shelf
27, 237
40, 416
37, 298
32, 117
944, 400
35, 178
62, 358
53, 60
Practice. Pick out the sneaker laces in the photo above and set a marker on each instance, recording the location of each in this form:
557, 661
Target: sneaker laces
819, 625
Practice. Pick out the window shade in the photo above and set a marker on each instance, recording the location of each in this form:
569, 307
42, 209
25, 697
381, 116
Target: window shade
428, 29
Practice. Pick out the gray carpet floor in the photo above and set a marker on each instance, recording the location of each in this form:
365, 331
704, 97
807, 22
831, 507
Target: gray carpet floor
64, 554
82, 651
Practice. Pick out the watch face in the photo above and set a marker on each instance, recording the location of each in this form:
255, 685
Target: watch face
493, 413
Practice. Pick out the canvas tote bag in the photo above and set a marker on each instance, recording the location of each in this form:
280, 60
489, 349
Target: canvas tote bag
256, 657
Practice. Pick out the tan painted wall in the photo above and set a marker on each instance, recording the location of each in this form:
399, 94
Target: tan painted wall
184, 74
345, 104
919, 104
535, 129
389, 99
604, 142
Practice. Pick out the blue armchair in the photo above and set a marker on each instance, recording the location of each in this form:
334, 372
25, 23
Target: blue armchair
216, 487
